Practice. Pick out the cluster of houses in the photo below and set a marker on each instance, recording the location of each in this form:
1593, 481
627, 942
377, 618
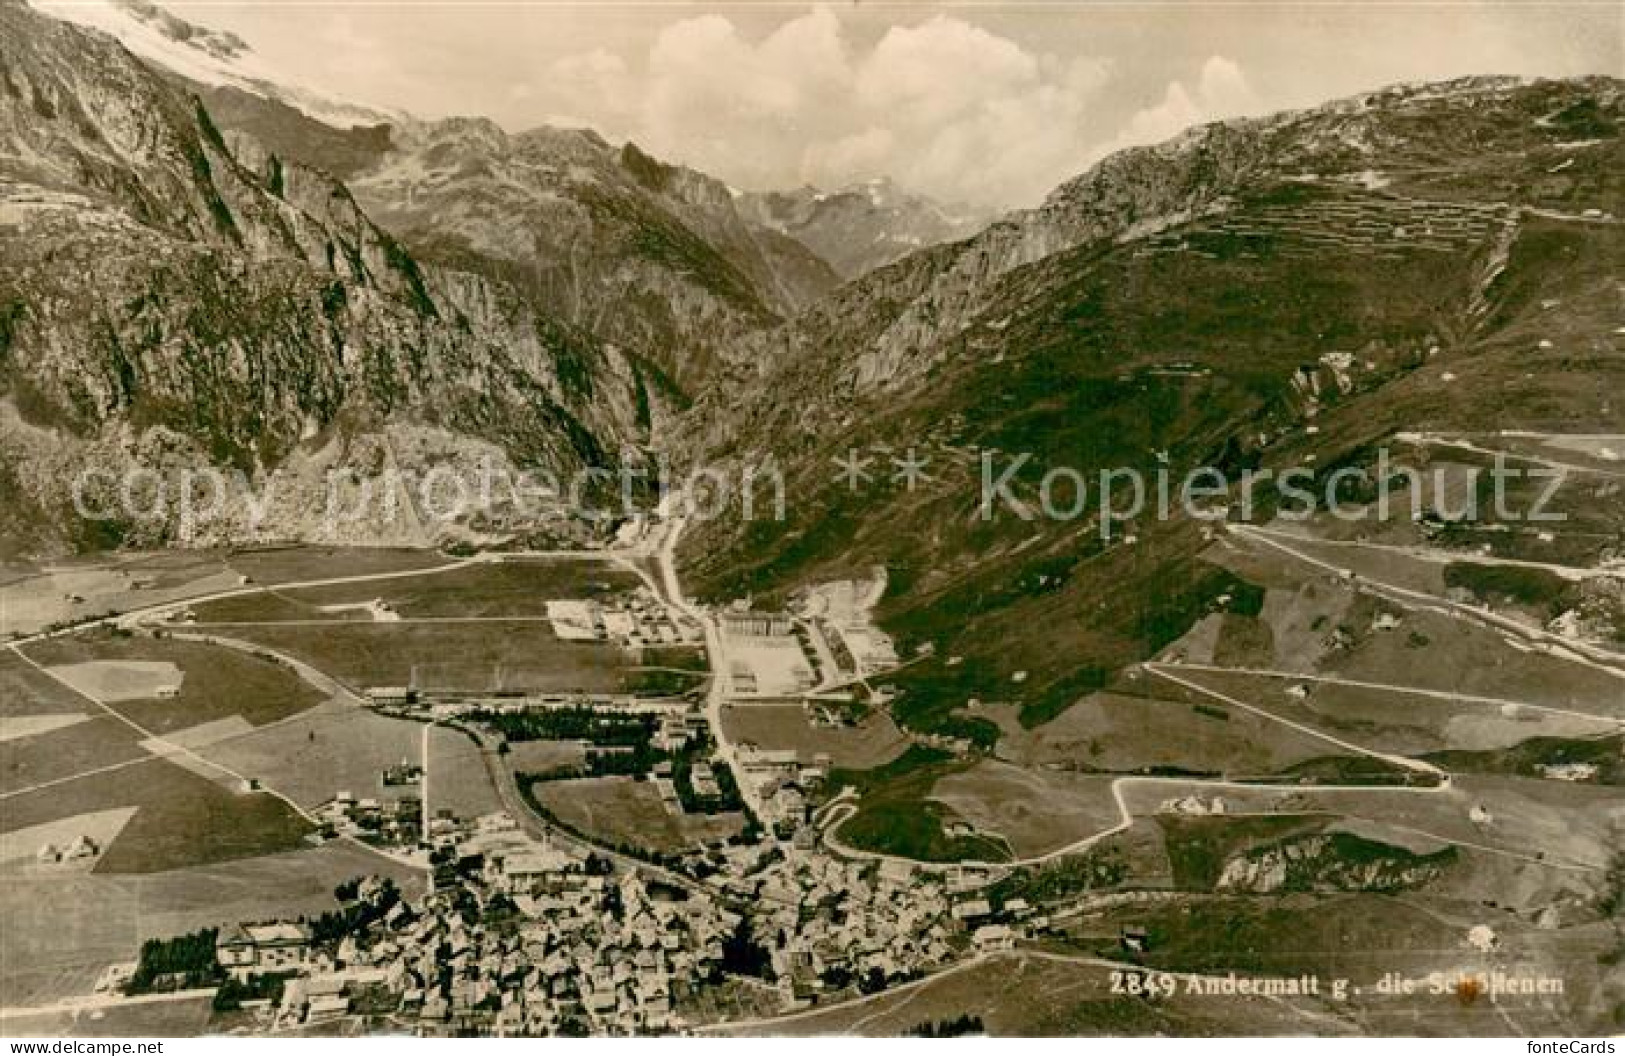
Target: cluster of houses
830, 924
632, 621
518, 937
782, 782
395, 822
515, 937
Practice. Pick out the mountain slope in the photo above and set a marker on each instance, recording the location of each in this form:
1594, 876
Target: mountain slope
206, 57
560, 214
165, 295
651, 257
1191, 304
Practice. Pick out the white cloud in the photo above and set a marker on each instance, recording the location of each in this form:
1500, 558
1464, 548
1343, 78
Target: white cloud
943, 106
1220, 91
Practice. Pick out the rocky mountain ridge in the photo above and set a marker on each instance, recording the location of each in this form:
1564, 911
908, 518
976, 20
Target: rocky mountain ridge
650, 257
863, 226
157, 277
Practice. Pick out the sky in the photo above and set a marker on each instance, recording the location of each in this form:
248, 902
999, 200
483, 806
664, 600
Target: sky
987, 104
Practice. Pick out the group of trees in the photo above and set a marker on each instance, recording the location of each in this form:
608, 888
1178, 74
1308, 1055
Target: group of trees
570, 724
180, 963
356, 914
233, 992
948, 1028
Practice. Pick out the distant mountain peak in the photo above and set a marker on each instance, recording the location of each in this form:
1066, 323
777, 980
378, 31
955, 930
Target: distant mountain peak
862, 226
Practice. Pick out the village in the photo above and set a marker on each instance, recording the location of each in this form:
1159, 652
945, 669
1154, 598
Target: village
531, 926
518, 937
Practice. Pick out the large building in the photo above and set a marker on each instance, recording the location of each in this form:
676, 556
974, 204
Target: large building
262, 948
757, 624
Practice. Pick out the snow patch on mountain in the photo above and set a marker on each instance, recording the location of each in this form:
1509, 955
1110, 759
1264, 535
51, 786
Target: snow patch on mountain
206, 56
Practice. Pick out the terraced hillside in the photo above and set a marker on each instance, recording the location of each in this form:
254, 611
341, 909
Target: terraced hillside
1081, 689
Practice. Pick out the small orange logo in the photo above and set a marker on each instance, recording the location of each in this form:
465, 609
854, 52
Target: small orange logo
1469, 989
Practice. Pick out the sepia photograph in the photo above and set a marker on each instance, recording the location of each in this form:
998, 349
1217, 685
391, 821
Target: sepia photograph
646, 520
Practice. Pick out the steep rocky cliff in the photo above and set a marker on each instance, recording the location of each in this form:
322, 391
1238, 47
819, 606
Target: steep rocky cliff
651, 257
158, 280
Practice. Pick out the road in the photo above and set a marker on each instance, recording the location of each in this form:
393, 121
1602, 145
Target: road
716, 697
1402, 761
1572, 573
1595, 657
1463, 444
93, 1002
1387, 687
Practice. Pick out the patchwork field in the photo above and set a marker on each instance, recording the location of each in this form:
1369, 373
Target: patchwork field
217, 682
183, 819
33, 598
1165, 730
98, 742
1399, 719
24, 690
299, 563
33, 725
1318, 624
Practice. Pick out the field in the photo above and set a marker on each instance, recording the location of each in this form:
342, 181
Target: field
218, 682
1318, 624
46, 955
1394, 720
897, 815
1160, 728
513, 587
183, 819
873, 741
300, 563
457, 778
331, 747
114, 681
472, 657
100, 741
768, 667
186, 1017
26, 691
1360, 937
1032, 811
33, 598
1531, 823
621, 811
538, 757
